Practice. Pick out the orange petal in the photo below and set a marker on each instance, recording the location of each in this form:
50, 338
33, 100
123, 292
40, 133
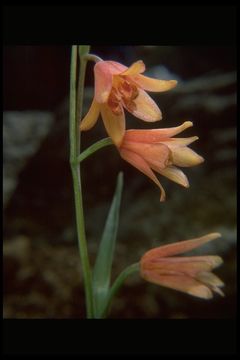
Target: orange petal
136, 68
103, 81
182, 246
150, 84
174, 174
115, 67
154, 154
185, 157
156, 135
145, 109
182, 283
138, 162
195, 266
114, 124
91, 117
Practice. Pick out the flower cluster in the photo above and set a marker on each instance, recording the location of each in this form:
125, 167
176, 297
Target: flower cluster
118, 87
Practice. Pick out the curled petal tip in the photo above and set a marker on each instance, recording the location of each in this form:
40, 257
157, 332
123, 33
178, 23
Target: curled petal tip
187, 124
173, 83
213, 236
219, 291
201, 291
201, 159
162, 198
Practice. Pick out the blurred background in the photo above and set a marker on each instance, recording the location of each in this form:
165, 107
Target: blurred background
42, 274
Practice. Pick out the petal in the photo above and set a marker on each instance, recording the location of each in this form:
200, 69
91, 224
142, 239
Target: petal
185, 157
116, 68
114, 124
182, 246
174, 174
181, 283
171, 142
210, 279
138, 162
103, 74
194, 266
91, 117
136, 68
150, 84
103, 81
156, 135
145, 108
154, 154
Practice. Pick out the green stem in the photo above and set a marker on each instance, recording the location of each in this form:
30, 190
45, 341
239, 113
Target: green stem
92, 57
74, 151
93, 148
118, 283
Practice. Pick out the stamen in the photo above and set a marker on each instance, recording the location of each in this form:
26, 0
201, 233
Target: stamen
114, 103
135, 92
129, 104
125, 89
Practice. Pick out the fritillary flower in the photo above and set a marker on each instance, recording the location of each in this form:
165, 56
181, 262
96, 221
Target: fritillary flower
158, 150
118, 87
189, 274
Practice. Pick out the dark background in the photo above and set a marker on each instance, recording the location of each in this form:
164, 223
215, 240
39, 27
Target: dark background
42, 275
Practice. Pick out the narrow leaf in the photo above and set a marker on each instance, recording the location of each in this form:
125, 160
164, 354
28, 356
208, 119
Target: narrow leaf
103, 265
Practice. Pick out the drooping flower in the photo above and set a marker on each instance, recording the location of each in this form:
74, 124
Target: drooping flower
157, 150
118, 87
191, 274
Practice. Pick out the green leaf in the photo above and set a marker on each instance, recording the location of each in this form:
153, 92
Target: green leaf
103, 265
83, 49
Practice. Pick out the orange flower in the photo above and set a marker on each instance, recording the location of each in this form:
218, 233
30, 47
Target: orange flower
191, 275
157, 150
118, 87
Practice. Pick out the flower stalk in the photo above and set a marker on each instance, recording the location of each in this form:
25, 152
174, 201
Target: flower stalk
95, 147
75, 115
118, 284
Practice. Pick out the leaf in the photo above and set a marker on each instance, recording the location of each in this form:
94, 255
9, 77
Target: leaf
103, 265
83, 49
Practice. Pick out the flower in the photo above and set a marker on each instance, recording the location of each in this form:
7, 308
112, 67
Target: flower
157, 150
118, 87
191, 274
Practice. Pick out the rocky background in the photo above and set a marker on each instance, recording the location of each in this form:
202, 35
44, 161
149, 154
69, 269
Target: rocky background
42, 274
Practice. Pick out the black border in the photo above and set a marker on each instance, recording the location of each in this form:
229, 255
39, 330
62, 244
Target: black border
126, 24
120, 337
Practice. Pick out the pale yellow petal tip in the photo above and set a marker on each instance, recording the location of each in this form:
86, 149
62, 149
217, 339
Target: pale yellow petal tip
213, 236
200, 159
219, 291
140, 62
173, 83
201, 291
216, 261
194, 138
184, 182
187, 124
